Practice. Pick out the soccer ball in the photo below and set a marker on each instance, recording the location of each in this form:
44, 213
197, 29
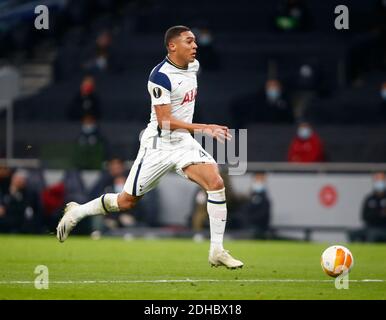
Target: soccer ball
335, 260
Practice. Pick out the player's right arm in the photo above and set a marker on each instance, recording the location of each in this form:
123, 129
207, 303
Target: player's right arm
167, 121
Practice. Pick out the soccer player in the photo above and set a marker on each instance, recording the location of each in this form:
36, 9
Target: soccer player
167, 144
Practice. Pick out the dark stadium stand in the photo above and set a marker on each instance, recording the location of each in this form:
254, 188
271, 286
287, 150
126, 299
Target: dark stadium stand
250, 50
350, 143
340, 99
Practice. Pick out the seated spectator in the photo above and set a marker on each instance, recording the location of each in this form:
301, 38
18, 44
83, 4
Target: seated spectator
207, 54
90, 150
276, 106
256, 211
53, 200
144, 214
269, 105
20, 208
373, 213
292, 15
382, 105
115, 168
112, 180
306, 146
86, 102
103, 58
199, 215
309, 78
5, 178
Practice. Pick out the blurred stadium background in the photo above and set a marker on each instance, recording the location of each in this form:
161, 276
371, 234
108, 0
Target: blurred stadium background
74, 97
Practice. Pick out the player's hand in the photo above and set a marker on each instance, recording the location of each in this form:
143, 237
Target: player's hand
218, 132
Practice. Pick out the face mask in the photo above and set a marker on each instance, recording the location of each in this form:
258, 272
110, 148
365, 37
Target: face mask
383, 94
379, 186
306, 71
101, 62
304, 133
118, 187
273, 94
205, 39
88, 128
258, 187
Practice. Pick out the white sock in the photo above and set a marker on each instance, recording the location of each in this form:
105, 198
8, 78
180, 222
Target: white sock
217, 211
107, 203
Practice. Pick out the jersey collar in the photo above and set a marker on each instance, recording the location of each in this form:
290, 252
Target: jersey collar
174, 65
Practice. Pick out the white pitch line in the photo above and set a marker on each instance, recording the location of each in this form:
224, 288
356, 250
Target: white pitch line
184, 281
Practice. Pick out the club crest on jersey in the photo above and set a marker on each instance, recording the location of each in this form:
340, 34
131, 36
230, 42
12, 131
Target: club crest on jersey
190, 96
157, 92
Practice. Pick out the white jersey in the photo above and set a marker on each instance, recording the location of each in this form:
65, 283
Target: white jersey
162, 151
171, 84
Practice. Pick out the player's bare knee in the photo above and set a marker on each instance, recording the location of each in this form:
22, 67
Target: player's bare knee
215, 183
126, 201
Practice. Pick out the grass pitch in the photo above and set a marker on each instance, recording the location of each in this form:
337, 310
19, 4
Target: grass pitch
113, 268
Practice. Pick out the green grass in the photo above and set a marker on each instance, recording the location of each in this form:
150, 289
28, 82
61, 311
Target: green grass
113, 263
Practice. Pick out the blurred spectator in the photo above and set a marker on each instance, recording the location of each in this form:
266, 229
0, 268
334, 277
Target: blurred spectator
382, 106
199, 214
255, 213
104, 58
292, 15
53, 198
5, 178
306, 146
113, 179
103, 46
207, 54
145, 214
86, 102
90, 150
270, 104
74, 186
373, 213
309, 77
20, 208
147, 210
115, 168
71, 188
276, 107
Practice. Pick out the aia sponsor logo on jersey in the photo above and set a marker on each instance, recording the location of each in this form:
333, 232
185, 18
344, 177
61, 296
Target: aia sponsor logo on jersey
190, 96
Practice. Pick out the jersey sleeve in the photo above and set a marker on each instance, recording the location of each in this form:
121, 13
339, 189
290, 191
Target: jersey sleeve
159, 87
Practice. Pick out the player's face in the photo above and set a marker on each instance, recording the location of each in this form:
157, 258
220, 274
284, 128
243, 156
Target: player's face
186, 46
